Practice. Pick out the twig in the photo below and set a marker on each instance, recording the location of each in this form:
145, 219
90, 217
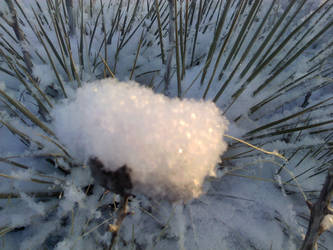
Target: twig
257, 148
107, 66
121, 215
319, 211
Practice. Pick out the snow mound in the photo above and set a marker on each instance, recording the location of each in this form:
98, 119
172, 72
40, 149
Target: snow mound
170, 145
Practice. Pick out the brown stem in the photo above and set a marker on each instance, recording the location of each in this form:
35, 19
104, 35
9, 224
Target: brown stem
121, 215
318, 211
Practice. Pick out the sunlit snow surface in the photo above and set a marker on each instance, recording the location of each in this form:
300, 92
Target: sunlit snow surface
170, 145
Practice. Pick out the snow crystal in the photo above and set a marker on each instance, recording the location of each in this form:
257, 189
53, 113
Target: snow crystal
170, 145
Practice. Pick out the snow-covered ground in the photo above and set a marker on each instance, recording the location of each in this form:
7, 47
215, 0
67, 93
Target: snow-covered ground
260, 71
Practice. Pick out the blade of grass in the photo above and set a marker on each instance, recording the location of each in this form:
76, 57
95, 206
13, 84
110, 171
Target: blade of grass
137, 55
160, 30
197, 26
266, 61
293, 58
107, 67
213, 45
27, 113
179, 84
225, 42
267, 39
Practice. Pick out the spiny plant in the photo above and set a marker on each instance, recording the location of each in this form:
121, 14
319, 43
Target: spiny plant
266, 64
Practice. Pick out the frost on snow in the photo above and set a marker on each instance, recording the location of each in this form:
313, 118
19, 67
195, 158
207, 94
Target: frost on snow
170, 145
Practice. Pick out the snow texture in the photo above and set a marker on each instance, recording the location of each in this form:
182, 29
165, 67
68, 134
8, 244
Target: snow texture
242, 209
170, 145
4, 10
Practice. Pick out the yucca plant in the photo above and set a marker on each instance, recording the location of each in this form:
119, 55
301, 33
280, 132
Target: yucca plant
266, 64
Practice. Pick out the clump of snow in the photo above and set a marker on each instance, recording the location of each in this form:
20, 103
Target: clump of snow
170, 145
36, 206
72, 195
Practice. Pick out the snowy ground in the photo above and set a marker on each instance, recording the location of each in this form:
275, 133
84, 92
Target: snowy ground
249, 201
